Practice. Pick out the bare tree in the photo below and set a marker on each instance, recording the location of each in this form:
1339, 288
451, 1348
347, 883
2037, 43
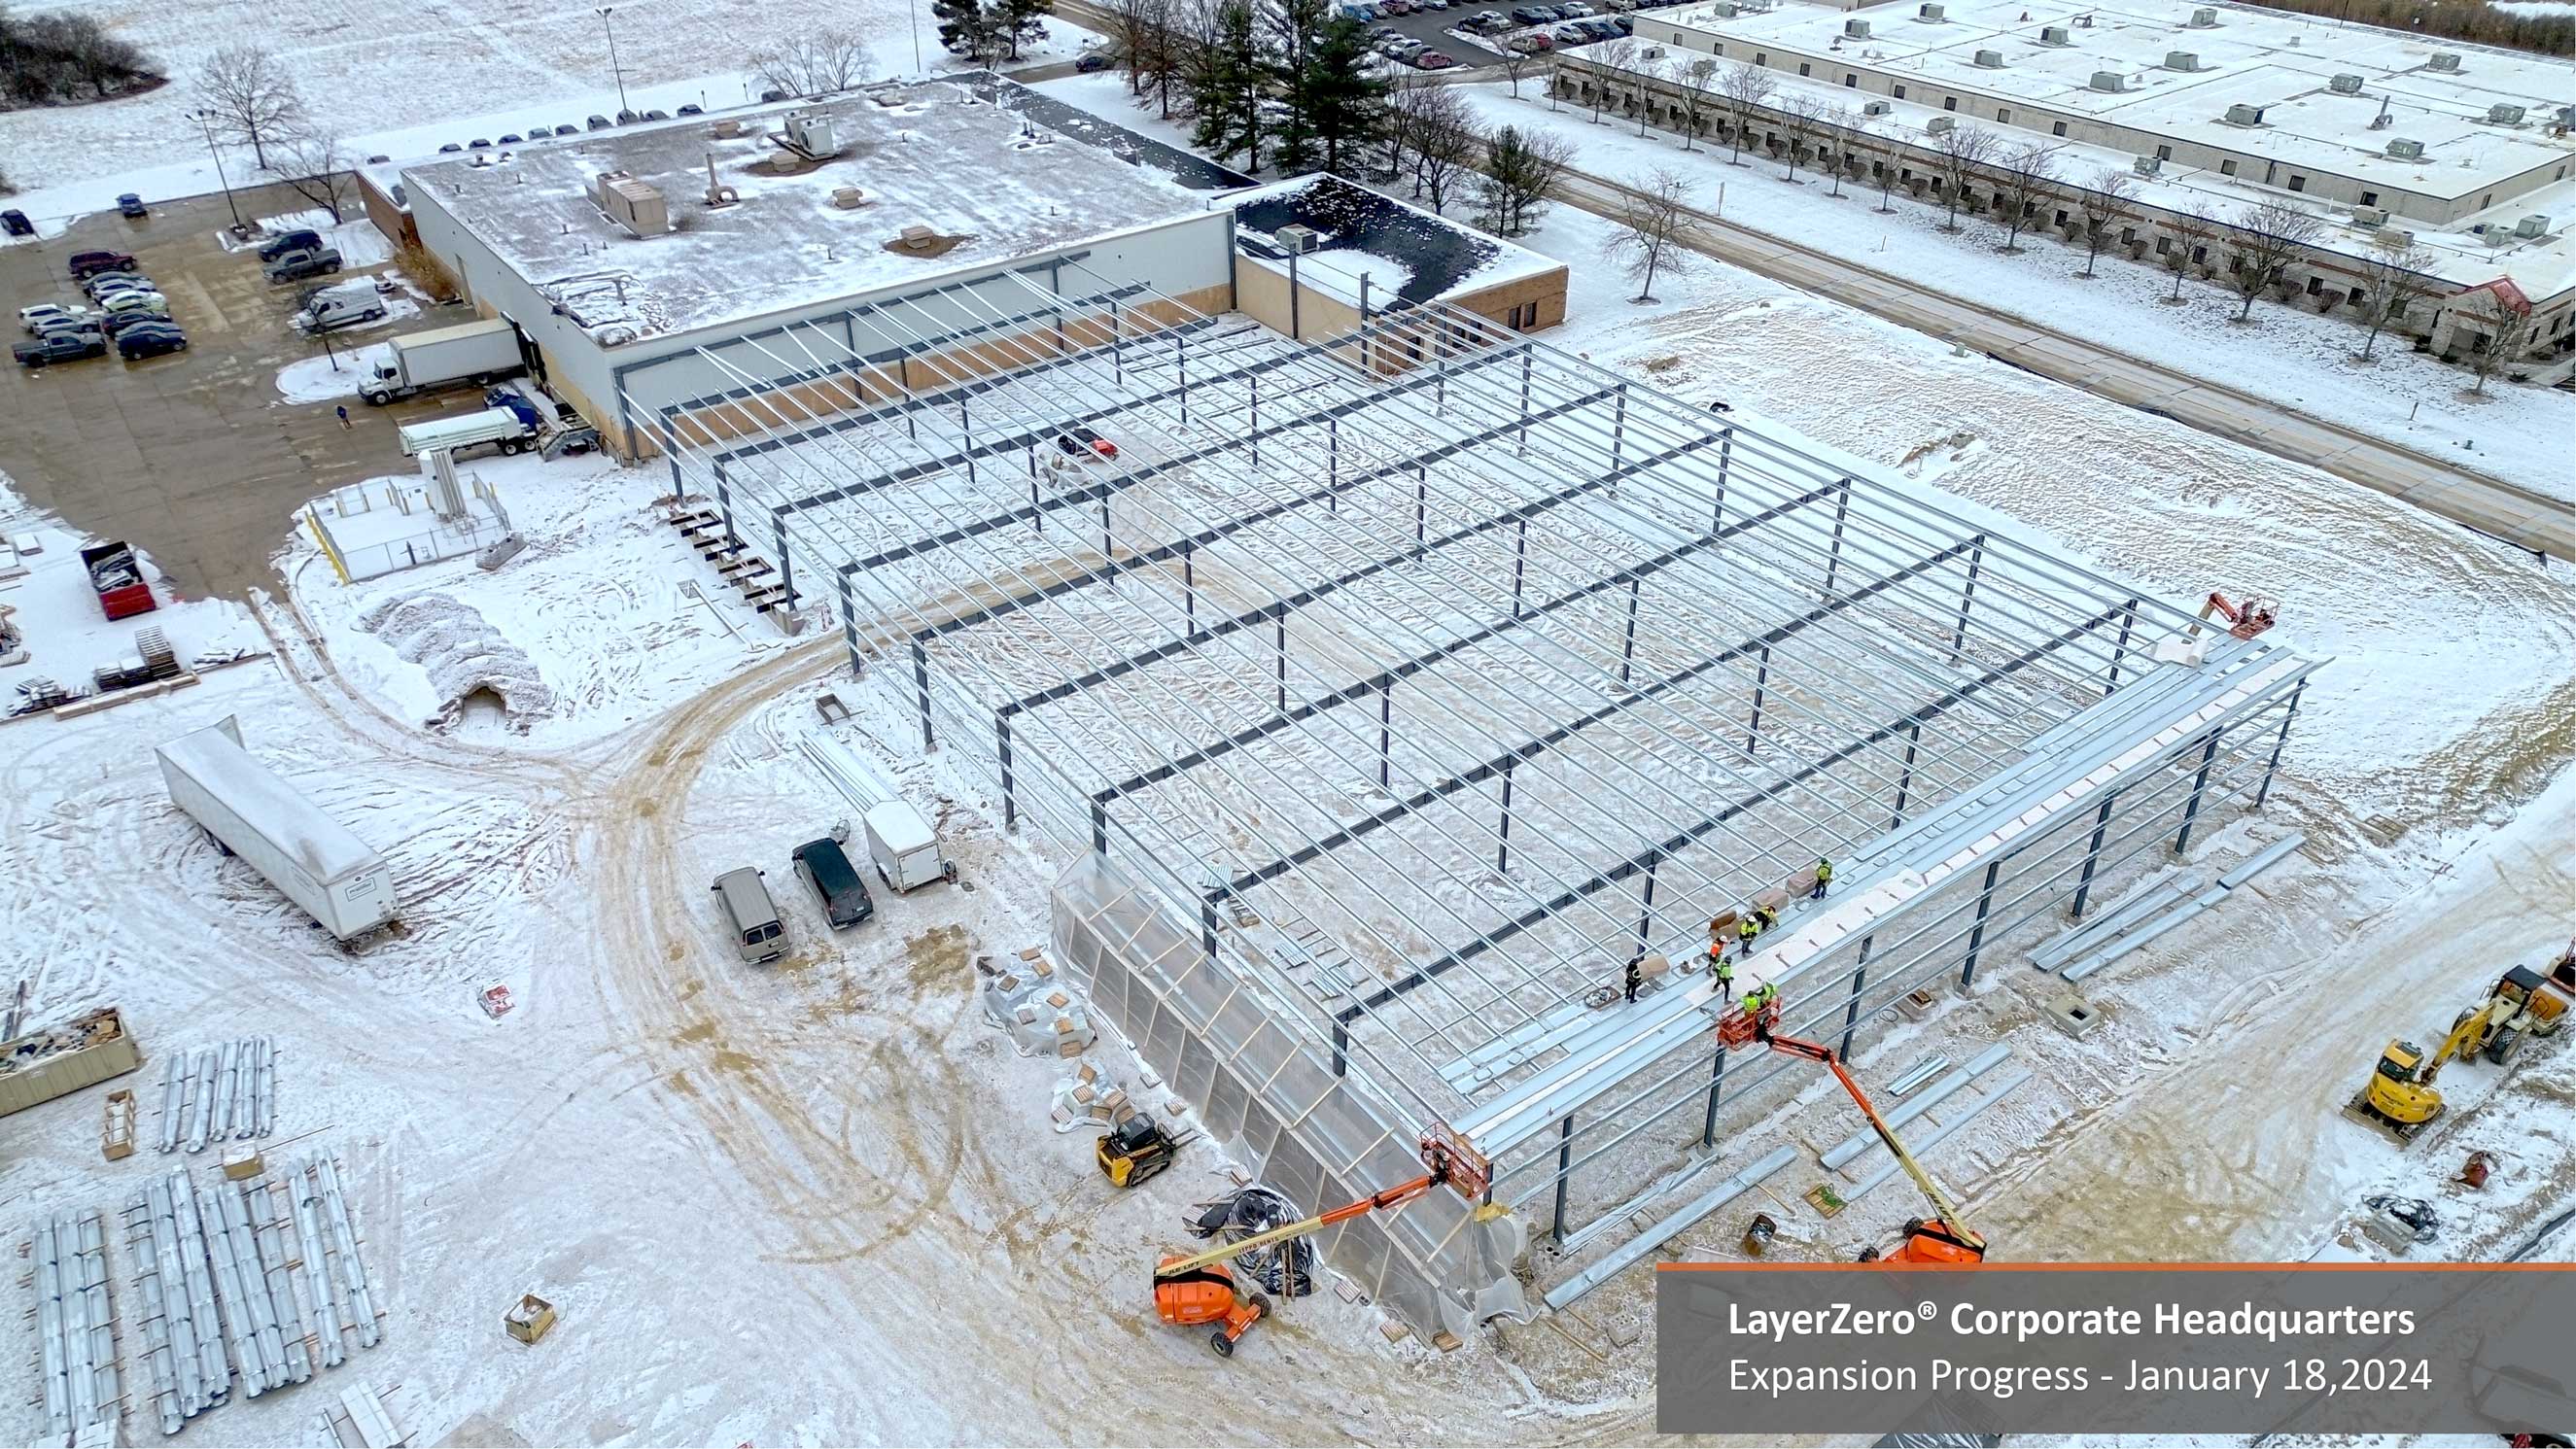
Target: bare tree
1961, 152
1834, 132
1657, 231
250, 96
2393, 276
1431, 136
1516, 65
2191, 232
2507, 324
1615, 57
1887, 177
2104, 203
2023, 173
1802, 116
1522, 171
2262, 242
1694, 94
813, 65
311, 163
1745, 87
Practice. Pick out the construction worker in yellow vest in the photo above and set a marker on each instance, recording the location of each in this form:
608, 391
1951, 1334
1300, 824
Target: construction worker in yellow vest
1723, 970
1745, 931
1760, 999
1824, 878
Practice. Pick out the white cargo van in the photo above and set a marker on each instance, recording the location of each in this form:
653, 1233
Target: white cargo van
346, 305
253, 813
904, 847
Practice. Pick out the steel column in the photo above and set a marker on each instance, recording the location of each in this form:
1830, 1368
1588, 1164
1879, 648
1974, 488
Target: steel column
1834, 554
2128, 621
1002, 754
1628, 650
1977, 936
921, 683
1905, 779
1503, 836
2278, 741
2199, 782
1761, 682
1851, 1009
1967, 595
1564, 1170
1716, 1086
2093, 854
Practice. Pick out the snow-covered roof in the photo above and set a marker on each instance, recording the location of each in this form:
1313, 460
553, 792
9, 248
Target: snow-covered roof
1408, 254
268, 804
2285, 65
987, 184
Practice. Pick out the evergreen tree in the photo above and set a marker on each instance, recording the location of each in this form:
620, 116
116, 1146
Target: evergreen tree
1022, 20
1227, 80
1291, 31
1343, 106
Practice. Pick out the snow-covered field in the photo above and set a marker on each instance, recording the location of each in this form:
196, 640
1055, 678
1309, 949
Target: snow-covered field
830, 1180
2293, 355
403, 83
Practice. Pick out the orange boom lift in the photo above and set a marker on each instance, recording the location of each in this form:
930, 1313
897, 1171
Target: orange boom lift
1944, 1240
1198, 1290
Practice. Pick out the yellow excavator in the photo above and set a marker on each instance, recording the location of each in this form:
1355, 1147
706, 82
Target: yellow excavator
2400, 1098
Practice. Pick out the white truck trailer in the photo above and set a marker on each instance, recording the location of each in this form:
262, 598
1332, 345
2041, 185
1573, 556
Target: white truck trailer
252, 813
504, 428
901, 843
479, 352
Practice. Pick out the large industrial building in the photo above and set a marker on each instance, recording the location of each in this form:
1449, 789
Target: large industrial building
648, 268
2462, 150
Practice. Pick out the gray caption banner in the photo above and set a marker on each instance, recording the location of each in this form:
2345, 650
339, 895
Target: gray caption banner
2005, 1349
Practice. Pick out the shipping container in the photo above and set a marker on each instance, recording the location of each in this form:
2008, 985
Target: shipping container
253, 813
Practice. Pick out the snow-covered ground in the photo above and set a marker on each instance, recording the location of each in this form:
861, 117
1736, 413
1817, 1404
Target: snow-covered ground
404, 84
831, 1179
2290, 354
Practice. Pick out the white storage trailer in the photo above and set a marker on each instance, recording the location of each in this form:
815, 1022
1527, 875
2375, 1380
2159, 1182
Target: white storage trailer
904, 847
482, 351
448, 435
255, 814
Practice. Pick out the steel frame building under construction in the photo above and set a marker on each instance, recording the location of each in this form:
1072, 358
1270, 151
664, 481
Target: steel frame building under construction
1391, 691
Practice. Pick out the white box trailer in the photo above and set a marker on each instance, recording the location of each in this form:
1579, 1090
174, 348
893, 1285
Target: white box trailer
904, 847
481, 351
503, 426
253, 813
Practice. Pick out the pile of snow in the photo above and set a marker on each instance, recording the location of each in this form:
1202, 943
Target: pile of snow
462, 654
328, 376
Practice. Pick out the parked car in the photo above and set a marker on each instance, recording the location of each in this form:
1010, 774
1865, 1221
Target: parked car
450, 146
152, 302
56, 347
351, 305
1576, 11
835, 882
598, 122
83, 264
1405, 50
512, 138
1623, 25
97, 282
115, 324
295, 266
131, 206
28, 317
1531, 42
691, 109
1437, 4
1092, 62
657, 115
567, 130
136, 343
378, 160
1569, 35
1434, 60
628, 118
1385, 32
759, 936
14, 223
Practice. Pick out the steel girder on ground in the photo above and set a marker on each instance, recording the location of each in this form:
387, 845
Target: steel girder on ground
1841, 614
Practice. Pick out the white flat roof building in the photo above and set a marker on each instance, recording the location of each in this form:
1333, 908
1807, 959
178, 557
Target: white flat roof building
2358, 115
658, 263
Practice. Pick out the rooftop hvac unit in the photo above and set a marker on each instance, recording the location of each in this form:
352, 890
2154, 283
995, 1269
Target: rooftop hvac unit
2110, 81
1296, 239
2404, 150
1877, 108
2053, 35
2345, 85
1932, 13
1856, 29
1725, 9
1939, 125
2502, 114
2497, 236
1652, 52
632, 204
2241, 115
2445, 61
2145, 165
729, 128
2182, 60
1990, 60
810, 134
2395, 238
2567, 115
2369, 217
2204, 18
2531, 228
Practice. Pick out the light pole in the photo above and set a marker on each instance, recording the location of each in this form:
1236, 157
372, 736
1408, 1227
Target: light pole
206, 122
610, 26
915, 8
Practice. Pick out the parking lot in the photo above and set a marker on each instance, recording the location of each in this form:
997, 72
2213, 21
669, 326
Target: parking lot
1432, 28
193, 457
